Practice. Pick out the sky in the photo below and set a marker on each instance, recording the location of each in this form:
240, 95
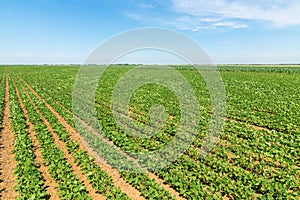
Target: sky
230, 31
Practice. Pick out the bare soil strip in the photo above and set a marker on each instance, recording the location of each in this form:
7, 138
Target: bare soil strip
7, 178
61, 145
256, 128
51, 186
163, 184
116, 178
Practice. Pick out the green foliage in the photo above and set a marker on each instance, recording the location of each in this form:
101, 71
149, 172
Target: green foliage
69, 186
30, 182
247, 163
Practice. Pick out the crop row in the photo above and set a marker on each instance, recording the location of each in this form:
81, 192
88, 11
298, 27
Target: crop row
240, 142
99, 179
30, 183
148, 187
282, 141
290, 138
222, 169
257, 98
69, 186
228, 180
264, 99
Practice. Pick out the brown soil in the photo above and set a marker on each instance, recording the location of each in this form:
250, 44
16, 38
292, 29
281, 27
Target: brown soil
116, 178
61, 145
7, 178
256, 128
225, 198
164, 185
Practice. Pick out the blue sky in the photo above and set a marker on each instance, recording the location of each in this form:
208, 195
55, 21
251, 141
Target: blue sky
231, 31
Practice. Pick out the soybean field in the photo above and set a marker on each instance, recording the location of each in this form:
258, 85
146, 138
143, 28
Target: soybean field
43, 156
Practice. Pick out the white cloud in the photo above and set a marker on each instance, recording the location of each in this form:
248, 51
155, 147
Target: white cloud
230, 24
133, 15
146, 5
196, 23
280, 13
197, 15
221, 24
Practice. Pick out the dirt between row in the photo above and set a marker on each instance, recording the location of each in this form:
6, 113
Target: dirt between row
7, 157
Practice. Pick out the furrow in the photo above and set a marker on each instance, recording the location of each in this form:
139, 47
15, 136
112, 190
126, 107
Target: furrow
7, 178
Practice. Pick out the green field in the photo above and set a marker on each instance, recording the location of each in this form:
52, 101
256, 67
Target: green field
257, 156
